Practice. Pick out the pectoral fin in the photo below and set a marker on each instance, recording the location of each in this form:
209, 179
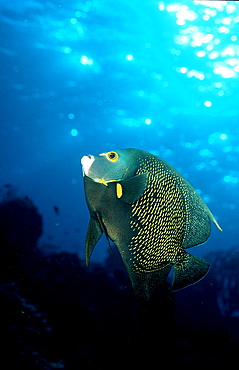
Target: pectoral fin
94, 233
130, 190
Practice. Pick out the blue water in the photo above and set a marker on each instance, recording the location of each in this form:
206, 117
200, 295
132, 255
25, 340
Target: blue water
85, 77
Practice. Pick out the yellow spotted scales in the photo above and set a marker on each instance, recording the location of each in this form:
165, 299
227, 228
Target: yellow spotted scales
159, 219
152, 214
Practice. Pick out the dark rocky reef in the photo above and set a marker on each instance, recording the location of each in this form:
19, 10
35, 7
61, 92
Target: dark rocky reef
57, 314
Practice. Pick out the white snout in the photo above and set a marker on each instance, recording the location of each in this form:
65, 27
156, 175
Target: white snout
86, 162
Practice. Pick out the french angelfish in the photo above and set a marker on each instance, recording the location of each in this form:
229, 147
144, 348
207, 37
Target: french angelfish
151, 213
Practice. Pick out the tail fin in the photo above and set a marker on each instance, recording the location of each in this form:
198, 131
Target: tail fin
147, 285
189, 272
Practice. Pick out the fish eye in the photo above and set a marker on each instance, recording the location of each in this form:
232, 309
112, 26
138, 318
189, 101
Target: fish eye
112, 156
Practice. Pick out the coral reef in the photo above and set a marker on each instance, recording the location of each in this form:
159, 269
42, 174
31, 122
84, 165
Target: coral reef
57, 314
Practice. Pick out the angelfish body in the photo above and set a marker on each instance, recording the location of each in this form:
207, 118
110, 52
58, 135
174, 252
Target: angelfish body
152, 214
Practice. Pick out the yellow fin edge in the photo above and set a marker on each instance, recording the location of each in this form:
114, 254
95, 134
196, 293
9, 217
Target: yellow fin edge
215, 222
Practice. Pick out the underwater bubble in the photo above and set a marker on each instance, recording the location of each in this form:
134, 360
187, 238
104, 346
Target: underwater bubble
201, 166
74, 132
232, 61
188, 145
185, 39
223, 29
223, 136
201, 53
218, 85
209, 47
86, 61
206, 198
71, 116
161, 5
183, 70
206, 153
129, 57
226, 20
213, 55
228, 51
214, 162
121, 112
221, 93
230, 8
141, 93
206, 17
148, 121
227, 178
208, 103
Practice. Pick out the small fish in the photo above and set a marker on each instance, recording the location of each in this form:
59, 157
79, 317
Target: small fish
152, 214
56, 210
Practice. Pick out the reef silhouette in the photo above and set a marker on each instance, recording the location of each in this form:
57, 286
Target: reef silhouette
56, 313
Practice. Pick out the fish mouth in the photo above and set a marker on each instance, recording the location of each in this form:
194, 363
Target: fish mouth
87, 162
90, 172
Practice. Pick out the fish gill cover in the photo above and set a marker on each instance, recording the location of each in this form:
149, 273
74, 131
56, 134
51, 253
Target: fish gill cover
80, 77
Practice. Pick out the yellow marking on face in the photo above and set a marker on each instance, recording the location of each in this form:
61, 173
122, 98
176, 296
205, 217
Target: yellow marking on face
104, 182
101, 181
119, 190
